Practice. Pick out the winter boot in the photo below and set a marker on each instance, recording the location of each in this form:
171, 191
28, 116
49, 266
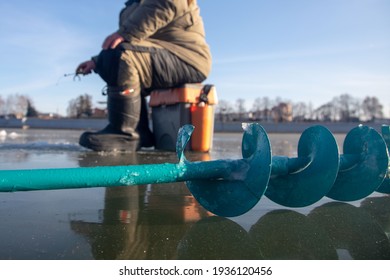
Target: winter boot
146, 135
123, 116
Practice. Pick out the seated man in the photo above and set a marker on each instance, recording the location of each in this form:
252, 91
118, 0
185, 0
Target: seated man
159, 44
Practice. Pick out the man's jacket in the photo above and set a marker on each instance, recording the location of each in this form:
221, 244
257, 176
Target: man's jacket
173, 25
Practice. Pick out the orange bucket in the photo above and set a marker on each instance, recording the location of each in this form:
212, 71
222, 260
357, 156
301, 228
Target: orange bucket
202, 117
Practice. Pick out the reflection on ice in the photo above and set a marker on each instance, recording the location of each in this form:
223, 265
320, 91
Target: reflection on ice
164, 228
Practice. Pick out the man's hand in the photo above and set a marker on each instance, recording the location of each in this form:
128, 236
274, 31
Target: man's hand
86, 67
112, 41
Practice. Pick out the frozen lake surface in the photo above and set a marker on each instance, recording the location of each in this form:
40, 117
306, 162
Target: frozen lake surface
164, 221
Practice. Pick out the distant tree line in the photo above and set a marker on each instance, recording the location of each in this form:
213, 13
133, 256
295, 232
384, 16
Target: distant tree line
341, 108
20, 106
17, 106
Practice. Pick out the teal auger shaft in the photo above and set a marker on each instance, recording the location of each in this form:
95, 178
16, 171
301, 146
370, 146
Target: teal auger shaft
112, 176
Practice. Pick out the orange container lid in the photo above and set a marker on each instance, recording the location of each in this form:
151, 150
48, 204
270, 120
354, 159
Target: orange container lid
188, 93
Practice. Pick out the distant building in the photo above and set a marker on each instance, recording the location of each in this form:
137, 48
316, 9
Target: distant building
282, 112
99, 113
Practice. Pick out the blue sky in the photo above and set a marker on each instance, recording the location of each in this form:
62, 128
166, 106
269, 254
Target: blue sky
298, 50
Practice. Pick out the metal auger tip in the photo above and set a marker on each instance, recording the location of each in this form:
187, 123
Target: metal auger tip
183, 137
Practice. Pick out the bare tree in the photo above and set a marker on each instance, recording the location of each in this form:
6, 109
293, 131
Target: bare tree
347, 107
31, 111
299, 111
16, 105
3, 108
262, 108
224, 109
324, 112
371, 108
267, 108
257, 108
310, 111
80, 107
240, 103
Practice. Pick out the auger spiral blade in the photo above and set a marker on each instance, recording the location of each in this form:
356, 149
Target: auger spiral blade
302, 181
363, 165
247, 182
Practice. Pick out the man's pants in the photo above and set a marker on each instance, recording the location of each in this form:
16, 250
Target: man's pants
144, 69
